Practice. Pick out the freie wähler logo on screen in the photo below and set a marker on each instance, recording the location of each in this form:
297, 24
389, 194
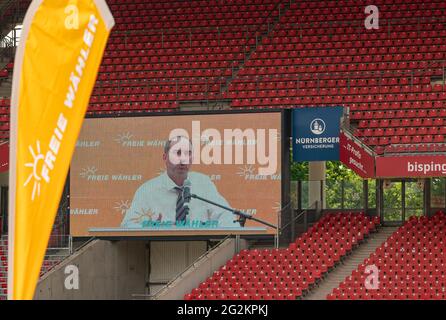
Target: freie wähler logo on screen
88, 143
250, 211
85, 172
84, 211
122, 206
127, 139
249, 172
90, 173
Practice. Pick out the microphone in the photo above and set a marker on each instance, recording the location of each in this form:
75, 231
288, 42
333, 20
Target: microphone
186, 192
183, 212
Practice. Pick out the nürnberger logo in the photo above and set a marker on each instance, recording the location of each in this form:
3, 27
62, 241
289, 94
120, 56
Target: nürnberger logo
317, 126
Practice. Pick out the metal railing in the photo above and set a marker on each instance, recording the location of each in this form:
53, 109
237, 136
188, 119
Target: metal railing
351, 136
192, 33
334, 193
7, 47
279, 223
59, 248
54, 254
305, 85
251, 32
415, 148
58, 242
12, 12
350, 76
358, 23
303, 214
388, 23
270, 19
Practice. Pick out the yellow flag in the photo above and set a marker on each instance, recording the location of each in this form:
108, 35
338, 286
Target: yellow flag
56, 64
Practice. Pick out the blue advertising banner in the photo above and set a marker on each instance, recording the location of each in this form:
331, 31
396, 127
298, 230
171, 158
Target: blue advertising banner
316, 133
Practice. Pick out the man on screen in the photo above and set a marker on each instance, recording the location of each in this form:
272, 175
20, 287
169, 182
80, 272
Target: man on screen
160, 201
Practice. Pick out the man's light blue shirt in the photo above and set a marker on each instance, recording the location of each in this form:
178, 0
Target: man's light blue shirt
155, 200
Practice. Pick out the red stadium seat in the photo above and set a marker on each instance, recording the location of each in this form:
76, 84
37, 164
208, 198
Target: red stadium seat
288, 272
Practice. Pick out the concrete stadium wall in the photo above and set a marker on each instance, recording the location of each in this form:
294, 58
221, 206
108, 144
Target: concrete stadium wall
199, 271
170, 258
121, 270
107, 270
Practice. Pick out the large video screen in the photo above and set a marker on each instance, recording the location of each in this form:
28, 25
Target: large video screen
134, 173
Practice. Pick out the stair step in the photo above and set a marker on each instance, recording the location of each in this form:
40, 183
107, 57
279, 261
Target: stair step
350, 263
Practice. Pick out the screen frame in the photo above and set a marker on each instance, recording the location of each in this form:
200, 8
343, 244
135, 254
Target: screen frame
285, 133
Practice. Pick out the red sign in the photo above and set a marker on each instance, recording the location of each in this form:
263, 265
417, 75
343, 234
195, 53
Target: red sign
411, 166
4, 157
355, 157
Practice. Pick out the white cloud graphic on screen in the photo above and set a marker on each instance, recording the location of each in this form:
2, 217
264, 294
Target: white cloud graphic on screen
37, 156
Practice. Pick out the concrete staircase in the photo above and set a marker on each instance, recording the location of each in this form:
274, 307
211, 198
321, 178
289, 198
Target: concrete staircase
283, 7
350, 263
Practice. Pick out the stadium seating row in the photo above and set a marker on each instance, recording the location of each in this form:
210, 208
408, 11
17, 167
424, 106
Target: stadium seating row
333, 87
413, 148
322, 68
342, 94
385, 141
410, 265
401, 131
288, 273
398, 123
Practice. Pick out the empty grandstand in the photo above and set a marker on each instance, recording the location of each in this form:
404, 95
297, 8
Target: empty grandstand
251, 64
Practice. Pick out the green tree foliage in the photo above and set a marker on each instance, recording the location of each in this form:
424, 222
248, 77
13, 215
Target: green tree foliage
392, 201
344, 189
438, 192
299, 171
